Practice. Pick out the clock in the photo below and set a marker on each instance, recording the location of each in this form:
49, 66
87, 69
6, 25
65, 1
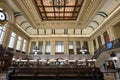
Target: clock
2, 16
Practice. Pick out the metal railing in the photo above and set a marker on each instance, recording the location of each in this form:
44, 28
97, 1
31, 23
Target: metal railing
102, 48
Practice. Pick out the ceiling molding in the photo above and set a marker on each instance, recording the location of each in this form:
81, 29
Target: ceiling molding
22, 5
91, 27
22, 29
57, 36
16, 14
23, 23
27, 27
93, 14
103, 14
113, 18
96, 22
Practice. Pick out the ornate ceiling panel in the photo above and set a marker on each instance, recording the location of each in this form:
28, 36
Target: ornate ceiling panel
59, 9
62, 17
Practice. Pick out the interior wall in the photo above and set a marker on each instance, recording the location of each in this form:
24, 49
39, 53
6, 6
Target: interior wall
106, 27
111, 26
12, 28
53, 39
116, 29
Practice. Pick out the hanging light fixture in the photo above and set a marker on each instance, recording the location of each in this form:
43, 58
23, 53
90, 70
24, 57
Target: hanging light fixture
83, 51
36, 50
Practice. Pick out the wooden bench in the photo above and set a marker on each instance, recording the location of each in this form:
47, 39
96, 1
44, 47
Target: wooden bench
54, 72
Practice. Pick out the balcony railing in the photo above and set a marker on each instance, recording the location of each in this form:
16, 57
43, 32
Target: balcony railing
102, 48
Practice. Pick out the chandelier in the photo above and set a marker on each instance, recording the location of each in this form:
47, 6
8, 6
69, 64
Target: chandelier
58, 3
83, 51
36, 50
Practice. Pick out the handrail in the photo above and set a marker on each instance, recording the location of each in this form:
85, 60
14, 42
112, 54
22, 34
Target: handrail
102, 48
56, 72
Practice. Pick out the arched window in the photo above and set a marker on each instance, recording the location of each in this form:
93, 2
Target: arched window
59, 47
48, 47
12, 40
2, 32
19, 41
24, 45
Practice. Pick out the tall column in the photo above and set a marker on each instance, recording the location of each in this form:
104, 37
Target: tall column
96, 43
7, 35
16, 39
37, 42
44, 44
111, 34
22, 43
52, 47
66, 47
74, 47
91, 47
102, 39
29, 46
81, 44
67, 50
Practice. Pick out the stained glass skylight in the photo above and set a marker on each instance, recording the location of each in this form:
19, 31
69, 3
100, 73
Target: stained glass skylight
59, 9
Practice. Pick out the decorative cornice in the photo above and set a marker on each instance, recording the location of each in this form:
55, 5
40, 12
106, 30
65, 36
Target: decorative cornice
26, 11
110, 21
88, 15
91, 12
75, 36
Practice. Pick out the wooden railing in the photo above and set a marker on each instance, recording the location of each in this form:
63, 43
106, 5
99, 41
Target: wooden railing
5, 58
55, 72
102, 48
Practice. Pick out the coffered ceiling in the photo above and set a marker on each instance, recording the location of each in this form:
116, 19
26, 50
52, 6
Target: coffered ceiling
79, 18
59, 9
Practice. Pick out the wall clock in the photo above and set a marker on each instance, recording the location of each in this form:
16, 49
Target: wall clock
2, 16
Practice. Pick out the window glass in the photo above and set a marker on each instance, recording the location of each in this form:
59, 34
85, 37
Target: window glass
33, 46
19, 41
70, 44
24, 45
12, 40
77, 44
48, 48
59, 45
40, 46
